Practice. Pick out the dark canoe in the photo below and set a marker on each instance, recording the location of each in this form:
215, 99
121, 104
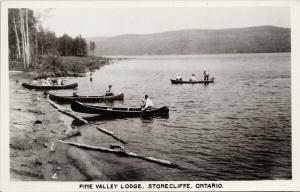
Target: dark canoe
86, 98
118, 111
173, 81
49, 87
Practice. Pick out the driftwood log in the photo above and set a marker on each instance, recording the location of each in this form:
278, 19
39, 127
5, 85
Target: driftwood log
72, 133
71, 114
122, 151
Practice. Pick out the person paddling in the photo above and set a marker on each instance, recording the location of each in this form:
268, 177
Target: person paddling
147, 103
109, 92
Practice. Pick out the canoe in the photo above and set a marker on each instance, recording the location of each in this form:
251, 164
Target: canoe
86, 98
119, 111
49, 87
174, 81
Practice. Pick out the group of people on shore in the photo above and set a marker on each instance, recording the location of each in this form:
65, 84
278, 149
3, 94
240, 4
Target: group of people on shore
193, 78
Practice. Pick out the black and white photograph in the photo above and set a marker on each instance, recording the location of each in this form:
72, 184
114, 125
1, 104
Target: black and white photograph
134, 92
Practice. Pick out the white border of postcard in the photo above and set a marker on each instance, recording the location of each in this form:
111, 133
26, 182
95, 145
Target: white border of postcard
268, 185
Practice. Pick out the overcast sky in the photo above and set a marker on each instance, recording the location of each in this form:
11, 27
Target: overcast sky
91, 22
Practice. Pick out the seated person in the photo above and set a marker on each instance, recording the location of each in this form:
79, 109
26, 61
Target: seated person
54, 81
59, 82
44, 82
178, 78
75, 92
48, 81
109, 92
193, 77
147, 103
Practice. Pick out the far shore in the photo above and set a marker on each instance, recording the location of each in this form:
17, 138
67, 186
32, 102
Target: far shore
187, 55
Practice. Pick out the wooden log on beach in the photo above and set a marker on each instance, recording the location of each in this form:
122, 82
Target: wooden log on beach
71, 114
72, 133
67, 112
122, 151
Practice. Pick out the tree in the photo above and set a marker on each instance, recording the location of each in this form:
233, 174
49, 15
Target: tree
92, 48
28, 40
21, 26
46, 41
79, 47
65, 45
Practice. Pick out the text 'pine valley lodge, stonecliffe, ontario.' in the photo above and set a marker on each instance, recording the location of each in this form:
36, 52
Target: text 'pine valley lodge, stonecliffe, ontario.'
115, 186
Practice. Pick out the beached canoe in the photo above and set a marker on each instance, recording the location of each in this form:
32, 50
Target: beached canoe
86, 98
119, 111
49, 87
173, 81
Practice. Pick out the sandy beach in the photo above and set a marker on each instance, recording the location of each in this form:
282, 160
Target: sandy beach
34, 127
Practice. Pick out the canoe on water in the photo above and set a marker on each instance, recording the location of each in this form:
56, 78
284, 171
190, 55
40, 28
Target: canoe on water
174, 81
86, 98
49, 87
119, 111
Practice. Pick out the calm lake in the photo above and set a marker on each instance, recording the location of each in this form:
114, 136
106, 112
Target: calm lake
238, 128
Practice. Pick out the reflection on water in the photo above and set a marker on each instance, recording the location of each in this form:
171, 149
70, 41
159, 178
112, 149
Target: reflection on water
238, 128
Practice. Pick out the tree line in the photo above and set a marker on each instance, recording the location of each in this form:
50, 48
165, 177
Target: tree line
28, 39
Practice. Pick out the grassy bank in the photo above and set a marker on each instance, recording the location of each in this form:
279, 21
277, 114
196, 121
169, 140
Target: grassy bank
48, 65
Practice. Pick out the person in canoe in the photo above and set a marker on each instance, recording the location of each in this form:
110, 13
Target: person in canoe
206, 75
193, 77
54, 80
178, 78
75, 92
60, 81
109, 92
91, 76
147, 103
46, 82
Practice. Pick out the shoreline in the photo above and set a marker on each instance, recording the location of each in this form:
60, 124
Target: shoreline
34, 126
61, 66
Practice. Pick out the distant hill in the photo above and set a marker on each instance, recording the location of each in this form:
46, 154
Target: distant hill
198, 41
96, 39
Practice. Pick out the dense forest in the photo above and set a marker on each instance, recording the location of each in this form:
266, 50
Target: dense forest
30, 45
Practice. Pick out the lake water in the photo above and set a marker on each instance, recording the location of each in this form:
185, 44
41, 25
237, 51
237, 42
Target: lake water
238, 128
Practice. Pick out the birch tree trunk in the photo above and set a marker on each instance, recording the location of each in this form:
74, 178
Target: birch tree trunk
17, 40
22, 37
36, 43
28, 52
25, 38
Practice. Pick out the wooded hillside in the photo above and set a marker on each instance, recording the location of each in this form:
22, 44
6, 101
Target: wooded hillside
197, 41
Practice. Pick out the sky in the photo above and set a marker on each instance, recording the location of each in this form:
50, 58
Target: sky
106, 22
